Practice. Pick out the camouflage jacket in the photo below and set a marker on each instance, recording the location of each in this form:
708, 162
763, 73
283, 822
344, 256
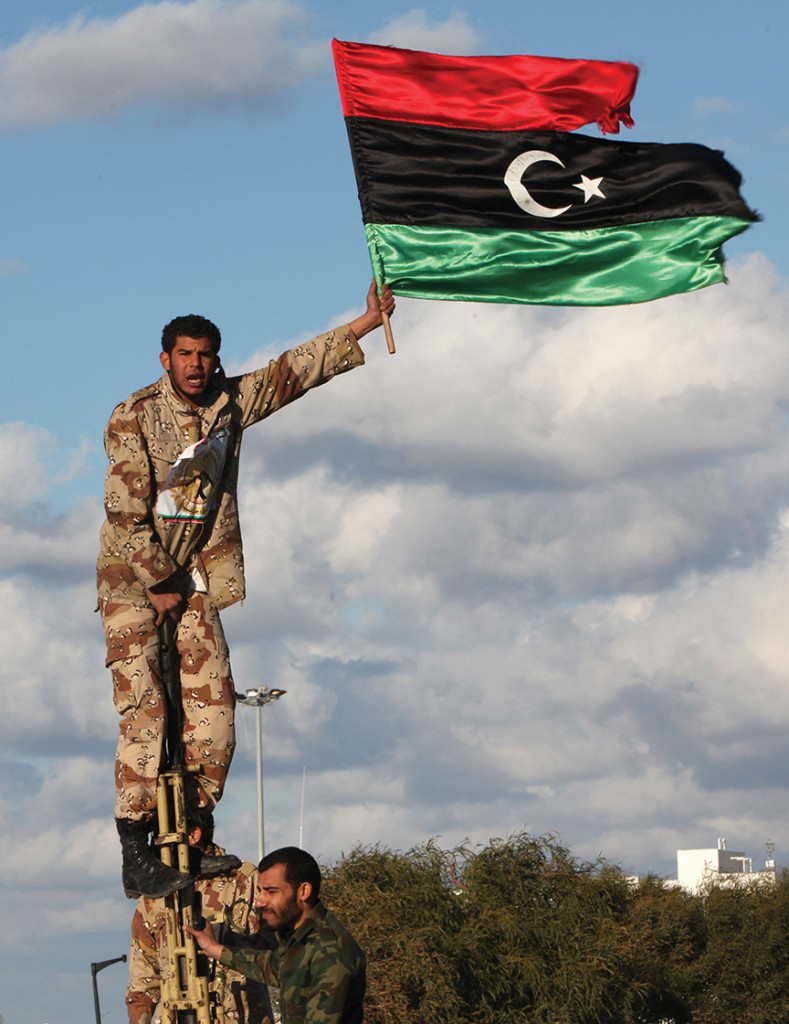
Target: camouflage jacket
170, 490
227, 901
319, 970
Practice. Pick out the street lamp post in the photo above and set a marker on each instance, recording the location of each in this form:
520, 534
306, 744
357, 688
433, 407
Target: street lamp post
94, 970
258, 699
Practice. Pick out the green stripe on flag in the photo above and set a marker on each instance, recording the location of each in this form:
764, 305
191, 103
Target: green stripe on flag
596, 267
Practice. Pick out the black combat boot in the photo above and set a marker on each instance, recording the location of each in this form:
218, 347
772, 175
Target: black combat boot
143, 873
206, 865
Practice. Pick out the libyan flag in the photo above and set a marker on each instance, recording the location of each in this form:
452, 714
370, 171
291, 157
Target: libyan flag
469, 191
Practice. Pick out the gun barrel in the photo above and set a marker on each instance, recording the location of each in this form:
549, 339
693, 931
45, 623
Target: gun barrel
170, 665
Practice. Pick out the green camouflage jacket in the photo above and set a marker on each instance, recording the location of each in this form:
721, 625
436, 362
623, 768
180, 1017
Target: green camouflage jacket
170, 490
227, 901
319, 970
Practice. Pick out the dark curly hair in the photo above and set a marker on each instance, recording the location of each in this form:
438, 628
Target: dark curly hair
191, 326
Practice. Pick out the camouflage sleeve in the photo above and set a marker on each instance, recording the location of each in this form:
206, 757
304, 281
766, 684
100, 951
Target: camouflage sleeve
244, 916
229, 901
331, 981
306, 366
129, 495
252, 963
142, 993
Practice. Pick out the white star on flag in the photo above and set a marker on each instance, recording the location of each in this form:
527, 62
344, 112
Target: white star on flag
590, 187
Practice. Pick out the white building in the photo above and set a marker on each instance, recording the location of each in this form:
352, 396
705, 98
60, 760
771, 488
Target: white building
696, 869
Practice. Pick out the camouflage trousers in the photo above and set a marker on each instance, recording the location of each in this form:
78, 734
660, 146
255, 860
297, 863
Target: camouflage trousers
207, 695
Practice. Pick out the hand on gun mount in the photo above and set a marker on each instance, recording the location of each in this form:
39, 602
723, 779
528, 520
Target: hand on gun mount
206, 940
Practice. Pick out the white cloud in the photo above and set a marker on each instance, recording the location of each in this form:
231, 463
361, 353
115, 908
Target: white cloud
93, 915
167, 53
33, 537
415, 30
529, 572
561, 395
707, 106
572, 513
24, 449
55, 694
78, 461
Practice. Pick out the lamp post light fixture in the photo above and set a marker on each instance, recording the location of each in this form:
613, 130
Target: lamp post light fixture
258, 699
94, 970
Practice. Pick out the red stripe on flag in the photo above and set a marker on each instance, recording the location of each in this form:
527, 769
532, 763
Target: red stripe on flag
509, 93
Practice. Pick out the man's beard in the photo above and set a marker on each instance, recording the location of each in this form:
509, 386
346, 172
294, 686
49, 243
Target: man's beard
288, 916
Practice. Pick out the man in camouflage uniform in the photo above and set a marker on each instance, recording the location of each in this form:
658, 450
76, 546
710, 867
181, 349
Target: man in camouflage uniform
227, 901
317, 965
171, 547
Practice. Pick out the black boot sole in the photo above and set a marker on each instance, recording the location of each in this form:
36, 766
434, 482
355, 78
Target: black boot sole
158, 894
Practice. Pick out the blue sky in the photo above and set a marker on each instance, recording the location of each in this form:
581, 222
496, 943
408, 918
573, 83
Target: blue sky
530, 572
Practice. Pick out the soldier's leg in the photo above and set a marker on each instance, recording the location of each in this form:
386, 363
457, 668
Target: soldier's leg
208, 697
133, 659
139, 701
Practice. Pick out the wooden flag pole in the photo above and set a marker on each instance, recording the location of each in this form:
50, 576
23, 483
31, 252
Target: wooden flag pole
388, 332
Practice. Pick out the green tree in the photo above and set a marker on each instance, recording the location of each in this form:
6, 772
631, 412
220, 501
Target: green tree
401, 909
543, 935
742, 974
521, 932
665, 936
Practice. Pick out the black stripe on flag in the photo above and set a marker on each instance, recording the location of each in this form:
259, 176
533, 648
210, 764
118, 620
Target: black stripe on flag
455, 177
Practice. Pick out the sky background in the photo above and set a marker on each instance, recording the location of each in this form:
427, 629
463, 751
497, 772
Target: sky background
531, 572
